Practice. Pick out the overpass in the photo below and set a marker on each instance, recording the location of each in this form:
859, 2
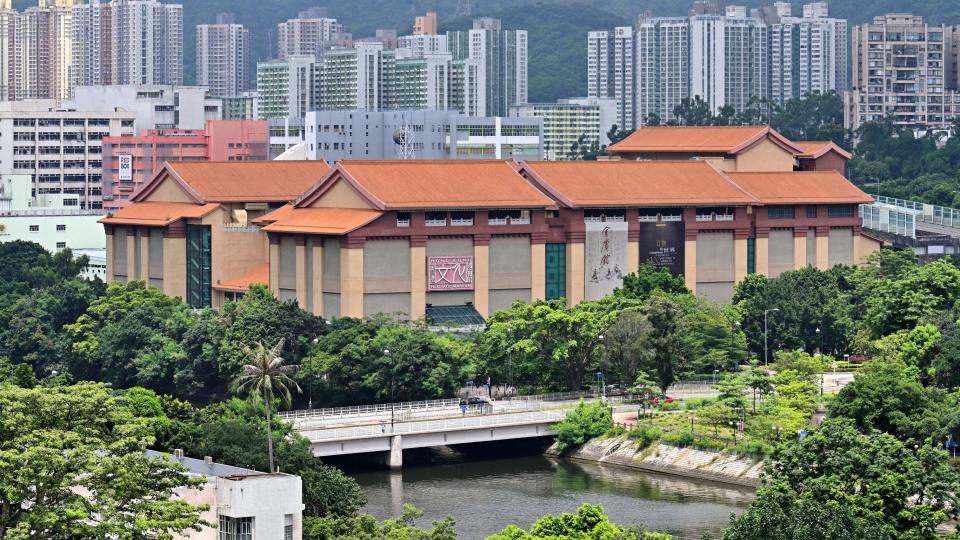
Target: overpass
928, 229
392, 428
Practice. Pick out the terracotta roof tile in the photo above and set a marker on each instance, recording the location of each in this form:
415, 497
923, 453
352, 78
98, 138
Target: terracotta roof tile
717, 139
815, 149
157, 214
444, 184
634, 183
800, 187
246, 181
337, 221
242, 283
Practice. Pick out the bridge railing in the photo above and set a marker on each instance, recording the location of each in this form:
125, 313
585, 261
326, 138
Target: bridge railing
431, 426
929, 213
452, 403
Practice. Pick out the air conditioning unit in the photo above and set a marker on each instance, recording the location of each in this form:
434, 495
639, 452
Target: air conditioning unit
256, 206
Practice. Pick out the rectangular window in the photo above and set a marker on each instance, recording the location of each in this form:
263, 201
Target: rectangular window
403, 219
511, 217
812, 212
840, 211
198, 266
780, 212
436, 219
461, 218
61, 228
288, 527
751, 255
34, 228
232, 528
61, 245
556, 271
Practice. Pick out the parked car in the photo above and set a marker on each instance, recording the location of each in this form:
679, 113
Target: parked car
662, 398
476, 400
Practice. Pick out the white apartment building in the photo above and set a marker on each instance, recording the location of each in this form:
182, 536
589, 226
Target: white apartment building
598, 64
565, 121
58, 148
127, 42
307, 35
728, 58
38, 49
243, 504
353, 78
611, 71
807, 54
503, 55
906, 69
663, 66
286, 88
223, 57
421, 45
55, 221
153, 106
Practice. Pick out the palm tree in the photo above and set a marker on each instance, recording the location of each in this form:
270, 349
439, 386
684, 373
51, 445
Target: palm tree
267, 378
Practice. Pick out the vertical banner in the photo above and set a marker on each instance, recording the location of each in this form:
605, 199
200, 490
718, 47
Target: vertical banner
605, 254
125, 167
662, 244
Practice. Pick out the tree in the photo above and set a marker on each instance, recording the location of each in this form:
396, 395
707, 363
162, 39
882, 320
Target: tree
366, 527
693, 112
588, 523
759, 382
638, 285
625, 346
669, 348
837, 483
586, 421
266, 377
72, 465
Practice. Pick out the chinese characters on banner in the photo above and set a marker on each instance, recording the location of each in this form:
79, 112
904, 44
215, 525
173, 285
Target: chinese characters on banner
605, 254
662, 245
449, 273
125, 167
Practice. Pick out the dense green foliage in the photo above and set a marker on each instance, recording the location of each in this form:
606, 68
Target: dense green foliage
585, 422
72, 465
366, 527
589, 523
839, 484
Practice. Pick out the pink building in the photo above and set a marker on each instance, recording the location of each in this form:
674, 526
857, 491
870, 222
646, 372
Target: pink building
131, 160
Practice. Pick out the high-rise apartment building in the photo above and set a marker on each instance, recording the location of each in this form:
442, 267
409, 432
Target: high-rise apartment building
287, 88
356, 78
39, 51
223, 57
155, 106
425, 25
503, 54
308, 34
421, 45
127, 42
807, 54
8, 48
663, 67
60, 149
905, 69
599, 60
571, 121
728, 59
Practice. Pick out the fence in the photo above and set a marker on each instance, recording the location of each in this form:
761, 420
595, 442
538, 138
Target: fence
431, 426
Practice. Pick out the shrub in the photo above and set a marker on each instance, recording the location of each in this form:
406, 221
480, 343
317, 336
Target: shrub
706, 443
679, 438
697, 403
645, 435
753, 448
587, 421
675, 406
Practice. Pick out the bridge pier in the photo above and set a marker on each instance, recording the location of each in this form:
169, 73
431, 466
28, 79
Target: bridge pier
395, 456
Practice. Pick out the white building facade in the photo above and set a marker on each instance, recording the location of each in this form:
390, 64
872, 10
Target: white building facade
154, 106
223, 58
566, 121
503, 55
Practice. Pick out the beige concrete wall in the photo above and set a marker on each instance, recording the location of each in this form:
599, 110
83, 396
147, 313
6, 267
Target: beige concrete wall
739, 259
301, 278
690, 264
863, 248
386, 277
168, 191
575, 271
418, 282
109, 238
144, 266
725, 165
811, 247
765, 156
351, 282
275, 269
841, 247
823, 255
155, 257
799, 252
232, 253
781, 256
633, 256
538, 272
287, 284
316, 252
330, 281
762, 256
132, 259
175, 267
341, 195
481, 279
510, 262
715, 265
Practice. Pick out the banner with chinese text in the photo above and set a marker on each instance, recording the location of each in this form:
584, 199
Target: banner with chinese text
605, 257
662, 244
450, 273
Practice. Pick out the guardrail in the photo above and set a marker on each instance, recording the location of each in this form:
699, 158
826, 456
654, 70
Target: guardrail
431, 426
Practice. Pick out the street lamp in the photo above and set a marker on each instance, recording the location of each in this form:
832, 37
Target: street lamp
310, 380
600, 386
765, 313
692, 432
510, 358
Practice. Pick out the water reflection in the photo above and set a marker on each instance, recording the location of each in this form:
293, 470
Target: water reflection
484, 496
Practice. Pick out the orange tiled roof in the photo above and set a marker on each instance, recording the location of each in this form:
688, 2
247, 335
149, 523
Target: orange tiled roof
799, 187
241, 181
241, 283
714, 139
629, 183
815, 149
158, 214
338, 221
390, 185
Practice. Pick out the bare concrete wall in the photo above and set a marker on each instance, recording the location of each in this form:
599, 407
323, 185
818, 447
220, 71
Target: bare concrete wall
811, 247
840, 247
510, 263
288, 268
120, 254
780, 252
387, 303
715, 265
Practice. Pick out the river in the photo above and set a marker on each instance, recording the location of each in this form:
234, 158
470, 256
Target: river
485, 495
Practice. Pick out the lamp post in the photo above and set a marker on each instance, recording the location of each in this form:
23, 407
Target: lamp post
310, 381
600, 341
510, 358
765, 348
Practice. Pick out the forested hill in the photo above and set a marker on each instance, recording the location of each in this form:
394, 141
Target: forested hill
557, 27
